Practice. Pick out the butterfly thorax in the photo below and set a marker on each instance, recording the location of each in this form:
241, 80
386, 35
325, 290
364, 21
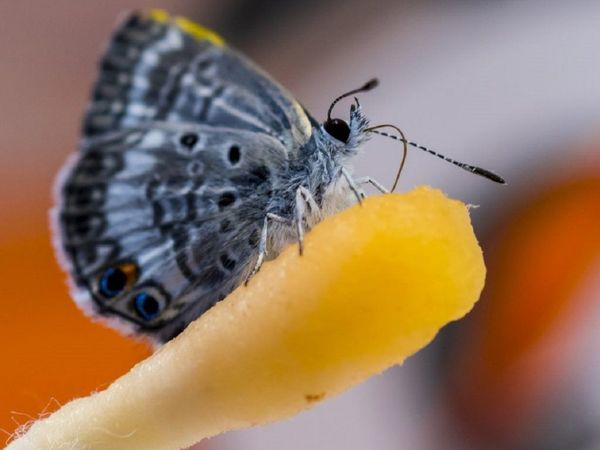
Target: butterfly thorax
316, 168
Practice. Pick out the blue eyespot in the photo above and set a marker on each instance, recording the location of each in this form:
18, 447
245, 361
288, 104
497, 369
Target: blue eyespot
115, 279
146, 306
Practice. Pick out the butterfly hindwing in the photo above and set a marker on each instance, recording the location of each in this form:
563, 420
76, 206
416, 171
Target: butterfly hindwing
177, 208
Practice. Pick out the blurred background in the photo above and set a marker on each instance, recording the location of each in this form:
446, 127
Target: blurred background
512, 86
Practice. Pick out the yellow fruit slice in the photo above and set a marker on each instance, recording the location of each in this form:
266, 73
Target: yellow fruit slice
375, 284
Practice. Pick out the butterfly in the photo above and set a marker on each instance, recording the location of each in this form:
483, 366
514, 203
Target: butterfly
194, 167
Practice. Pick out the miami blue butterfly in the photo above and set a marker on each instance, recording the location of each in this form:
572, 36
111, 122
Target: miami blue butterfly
194, 167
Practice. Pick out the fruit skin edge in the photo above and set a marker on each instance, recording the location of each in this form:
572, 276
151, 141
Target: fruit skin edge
375, 284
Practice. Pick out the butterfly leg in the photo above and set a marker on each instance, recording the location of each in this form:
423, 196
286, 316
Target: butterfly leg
277, 218
262, 250
353, 186
262, 244
376, 184
306, 205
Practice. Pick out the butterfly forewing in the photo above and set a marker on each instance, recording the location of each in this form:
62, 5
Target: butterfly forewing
155, 70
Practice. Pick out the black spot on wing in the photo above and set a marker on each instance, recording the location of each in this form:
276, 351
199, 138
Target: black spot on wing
226, 199
234, 154
227, 262
262, 173
189, 140
254, 177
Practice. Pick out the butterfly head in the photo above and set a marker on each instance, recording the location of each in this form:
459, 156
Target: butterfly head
344, 135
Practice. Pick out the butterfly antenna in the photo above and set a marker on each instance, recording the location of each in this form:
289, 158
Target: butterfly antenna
371, 84
468, 167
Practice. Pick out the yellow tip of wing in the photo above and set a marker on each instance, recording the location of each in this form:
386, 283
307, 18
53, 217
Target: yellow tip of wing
198, 31
187, 26
158, 15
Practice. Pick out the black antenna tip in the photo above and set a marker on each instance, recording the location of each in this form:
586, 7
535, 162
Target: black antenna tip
489, 175
371, 84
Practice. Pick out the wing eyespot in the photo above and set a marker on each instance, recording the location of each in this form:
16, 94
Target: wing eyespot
226, 199
116, 279
147, 306
262, 173
234, 154
189, 140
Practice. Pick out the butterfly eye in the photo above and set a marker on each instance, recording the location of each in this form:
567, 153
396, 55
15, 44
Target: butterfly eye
115, 279
338, 128
147, 306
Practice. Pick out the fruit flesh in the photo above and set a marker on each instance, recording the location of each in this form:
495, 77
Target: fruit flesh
375, 284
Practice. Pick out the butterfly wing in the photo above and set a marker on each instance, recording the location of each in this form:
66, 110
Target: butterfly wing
170, 69
160, 213
156, 230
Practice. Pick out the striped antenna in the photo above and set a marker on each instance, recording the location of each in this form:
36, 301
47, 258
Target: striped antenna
468, 167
